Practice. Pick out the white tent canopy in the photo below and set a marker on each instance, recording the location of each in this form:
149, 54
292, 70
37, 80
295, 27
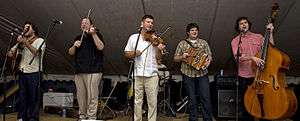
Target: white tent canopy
117, 19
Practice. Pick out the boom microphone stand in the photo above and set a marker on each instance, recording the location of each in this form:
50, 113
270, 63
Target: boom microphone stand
237, 77
40, 54
3, 78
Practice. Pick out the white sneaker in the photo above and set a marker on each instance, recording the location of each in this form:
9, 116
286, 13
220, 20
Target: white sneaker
92, 118
19, 119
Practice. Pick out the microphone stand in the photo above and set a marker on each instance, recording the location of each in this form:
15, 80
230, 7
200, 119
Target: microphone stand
39, 54
50, 29
237, 77
131, 73
3, 77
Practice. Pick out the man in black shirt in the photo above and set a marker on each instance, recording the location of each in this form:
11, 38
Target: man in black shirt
88, 54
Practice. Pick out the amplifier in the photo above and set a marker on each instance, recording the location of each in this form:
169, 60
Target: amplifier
225, 82
58, 99
227, 104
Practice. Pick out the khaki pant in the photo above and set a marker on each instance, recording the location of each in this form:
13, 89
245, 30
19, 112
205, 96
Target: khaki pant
150, 85
87, 94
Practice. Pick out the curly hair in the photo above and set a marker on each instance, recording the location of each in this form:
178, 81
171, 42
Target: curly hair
34, 27
237, 27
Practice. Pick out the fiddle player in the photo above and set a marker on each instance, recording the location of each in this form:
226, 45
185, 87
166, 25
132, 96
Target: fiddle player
196, 81
249, 45
29, 74
88, 57
145, 68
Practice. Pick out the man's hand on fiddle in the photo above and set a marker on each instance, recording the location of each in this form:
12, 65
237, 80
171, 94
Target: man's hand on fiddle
161, 46
92, 30
154, 36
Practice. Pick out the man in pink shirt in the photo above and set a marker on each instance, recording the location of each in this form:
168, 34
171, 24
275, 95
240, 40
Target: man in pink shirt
244, 47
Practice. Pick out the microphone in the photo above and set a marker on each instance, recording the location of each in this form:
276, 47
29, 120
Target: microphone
25, 30
16, 30
57, 21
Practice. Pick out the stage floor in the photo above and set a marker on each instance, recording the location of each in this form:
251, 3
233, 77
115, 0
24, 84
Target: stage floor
56, 117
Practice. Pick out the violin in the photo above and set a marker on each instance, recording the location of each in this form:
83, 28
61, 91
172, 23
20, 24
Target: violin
155, 40
151, 37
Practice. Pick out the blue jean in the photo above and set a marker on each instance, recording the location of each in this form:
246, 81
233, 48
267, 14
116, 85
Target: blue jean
198, 86
28, 102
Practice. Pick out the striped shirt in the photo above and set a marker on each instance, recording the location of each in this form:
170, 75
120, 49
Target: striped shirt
251, 44
183, 47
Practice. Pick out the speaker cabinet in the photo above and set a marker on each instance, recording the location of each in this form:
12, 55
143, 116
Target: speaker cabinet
227, 104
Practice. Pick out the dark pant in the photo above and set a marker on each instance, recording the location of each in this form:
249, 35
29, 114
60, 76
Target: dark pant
28, 100
198, 86
243, 85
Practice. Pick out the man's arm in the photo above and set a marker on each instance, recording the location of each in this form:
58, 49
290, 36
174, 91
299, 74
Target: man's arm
98, 42
32, 49
179, 56
72, 49
12, 51
159, 55
131, 54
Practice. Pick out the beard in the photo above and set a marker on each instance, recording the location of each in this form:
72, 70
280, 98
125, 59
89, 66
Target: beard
244, 29
28, 34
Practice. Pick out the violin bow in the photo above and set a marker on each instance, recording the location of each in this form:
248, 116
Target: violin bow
88, 17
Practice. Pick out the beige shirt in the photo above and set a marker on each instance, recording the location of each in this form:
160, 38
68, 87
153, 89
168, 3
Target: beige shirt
25, 67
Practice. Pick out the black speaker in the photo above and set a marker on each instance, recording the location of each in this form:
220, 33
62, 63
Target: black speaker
105, 87
227, 104
225, 81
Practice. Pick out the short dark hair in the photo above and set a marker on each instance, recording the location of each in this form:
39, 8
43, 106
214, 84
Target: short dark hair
34, 27
237, 27
190, 26
88, 19
147, 16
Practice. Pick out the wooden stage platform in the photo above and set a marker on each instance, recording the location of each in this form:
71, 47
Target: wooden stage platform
56, 117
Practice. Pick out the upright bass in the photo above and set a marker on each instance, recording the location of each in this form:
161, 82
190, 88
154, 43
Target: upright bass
269, 97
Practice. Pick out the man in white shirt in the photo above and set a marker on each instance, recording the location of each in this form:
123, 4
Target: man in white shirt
29, 72
146, 58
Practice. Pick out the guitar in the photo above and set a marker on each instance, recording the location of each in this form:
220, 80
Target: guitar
16, 59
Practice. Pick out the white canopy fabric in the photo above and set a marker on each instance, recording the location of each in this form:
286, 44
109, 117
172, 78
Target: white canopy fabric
118, 19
